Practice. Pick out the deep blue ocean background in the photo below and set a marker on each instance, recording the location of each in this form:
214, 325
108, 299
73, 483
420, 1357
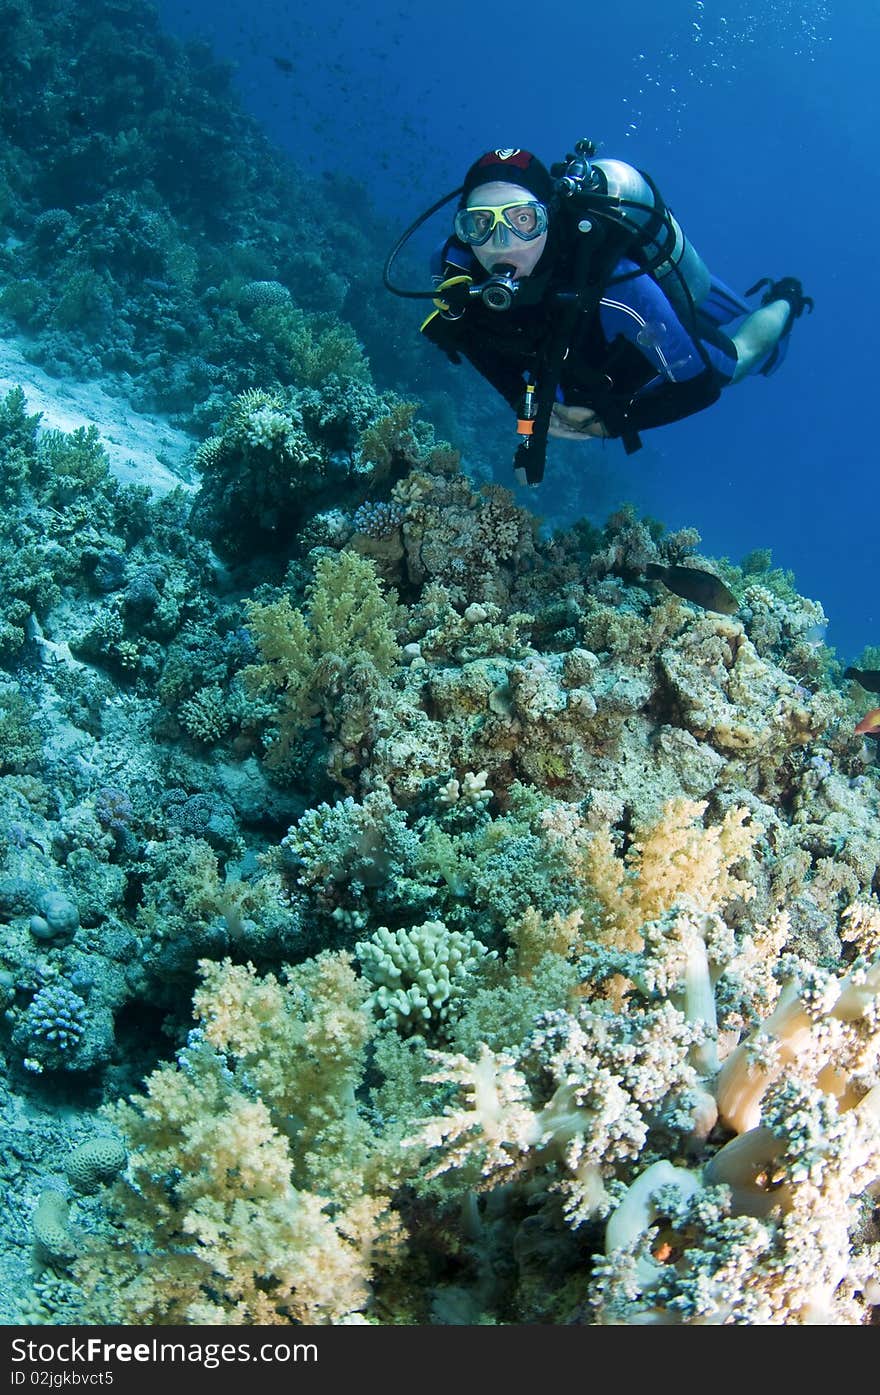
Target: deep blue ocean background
758, 123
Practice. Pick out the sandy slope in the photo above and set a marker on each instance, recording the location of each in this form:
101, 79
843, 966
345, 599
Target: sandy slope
142, 449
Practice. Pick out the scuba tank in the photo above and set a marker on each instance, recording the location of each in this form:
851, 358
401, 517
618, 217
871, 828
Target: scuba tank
674, 261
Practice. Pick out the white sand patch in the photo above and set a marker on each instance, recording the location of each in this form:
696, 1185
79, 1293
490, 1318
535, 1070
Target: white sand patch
141, 449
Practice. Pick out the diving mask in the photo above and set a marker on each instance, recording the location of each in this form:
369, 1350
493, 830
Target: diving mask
474, 226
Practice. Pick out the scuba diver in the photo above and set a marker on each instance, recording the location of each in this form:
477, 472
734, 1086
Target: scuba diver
575, 293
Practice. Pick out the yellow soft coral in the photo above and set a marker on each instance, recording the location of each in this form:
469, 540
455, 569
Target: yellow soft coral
255, 1193
670, 859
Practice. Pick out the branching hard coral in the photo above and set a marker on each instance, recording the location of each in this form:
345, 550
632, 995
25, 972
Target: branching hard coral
488, 871
420, 975
353, 858
258, 472
378, 519
391, 438
308, 347
192, 904
790, 630
470, 792
52, 1028
206, 716
832, 822
67, 1025
21, 733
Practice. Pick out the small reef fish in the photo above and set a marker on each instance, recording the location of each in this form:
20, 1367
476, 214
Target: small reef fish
868, 678
870, 724
693, 584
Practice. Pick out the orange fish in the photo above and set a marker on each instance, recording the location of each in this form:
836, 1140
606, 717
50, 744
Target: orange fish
870, 724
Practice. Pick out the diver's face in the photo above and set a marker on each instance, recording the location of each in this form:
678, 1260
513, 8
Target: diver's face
504, 245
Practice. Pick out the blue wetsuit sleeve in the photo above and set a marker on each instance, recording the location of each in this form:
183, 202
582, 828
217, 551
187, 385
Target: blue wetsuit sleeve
449, 258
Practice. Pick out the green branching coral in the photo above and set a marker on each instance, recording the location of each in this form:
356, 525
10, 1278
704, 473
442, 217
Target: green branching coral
421, 975
309, 347
259, 471
206, 716
393, 436
21, 739
64, 519
354, 859
18, 443
316, 662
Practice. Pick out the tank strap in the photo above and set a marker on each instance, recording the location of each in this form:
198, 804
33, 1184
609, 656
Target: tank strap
597, 253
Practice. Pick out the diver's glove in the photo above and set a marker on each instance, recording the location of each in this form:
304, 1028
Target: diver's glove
452, 296
788, 288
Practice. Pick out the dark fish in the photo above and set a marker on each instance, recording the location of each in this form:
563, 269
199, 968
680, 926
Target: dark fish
283, 63
693, 584
869, 678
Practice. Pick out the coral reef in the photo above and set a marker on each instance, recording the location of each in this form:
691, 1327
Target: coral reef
409, 916
576, 955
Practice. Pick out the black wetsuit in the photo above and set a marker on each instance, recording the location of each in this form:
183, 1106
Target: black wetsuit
633, 359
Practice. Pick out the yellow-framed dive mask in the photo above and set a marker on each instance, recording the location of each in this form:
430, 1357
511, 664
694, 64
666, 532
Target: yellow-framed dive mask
474, 226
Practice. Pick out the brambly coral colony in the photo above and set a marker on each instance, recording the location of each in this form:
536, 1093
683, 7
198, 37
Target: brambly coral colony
406, 917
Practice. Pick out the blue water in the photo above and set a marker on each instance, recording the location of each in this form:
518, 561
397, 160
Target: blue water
757, 122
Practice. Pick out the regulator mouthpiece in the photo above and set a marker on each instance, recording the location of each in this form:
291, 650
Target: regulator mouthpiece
498, 291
